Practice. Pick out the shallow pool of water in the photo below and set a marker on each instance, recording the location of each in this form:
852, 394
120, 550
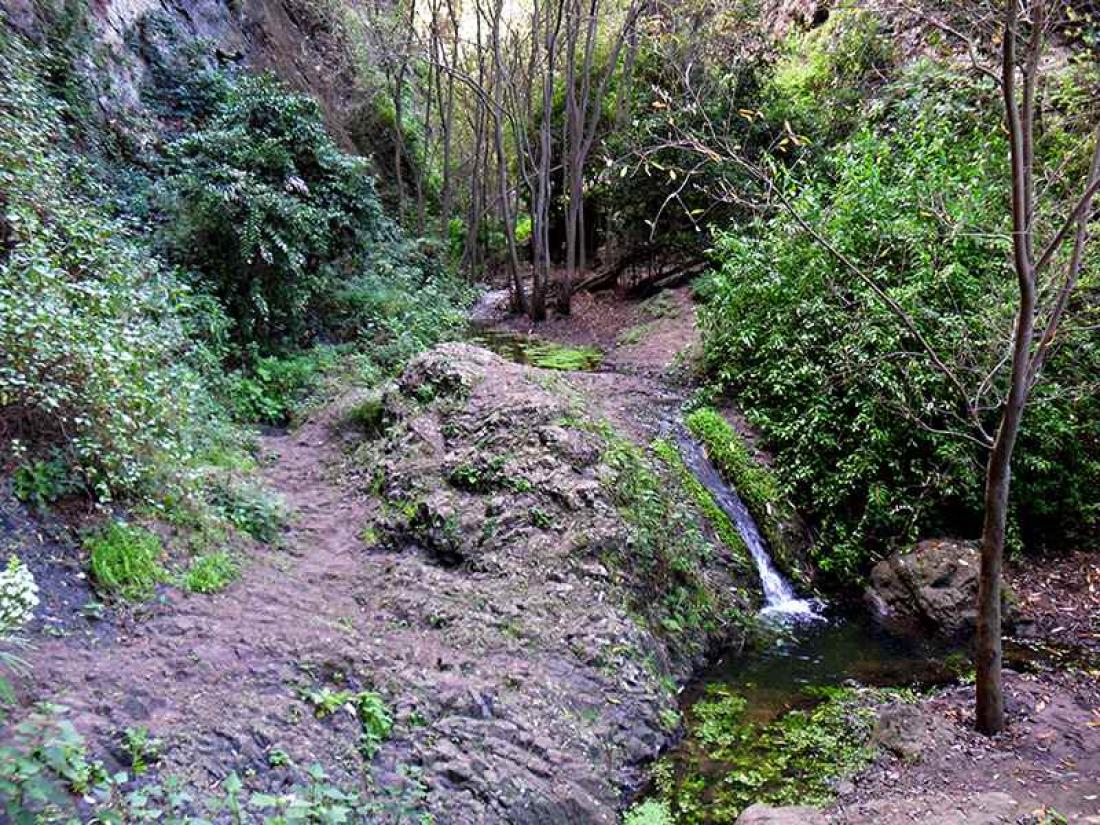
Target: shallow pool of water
828, 653
534, 351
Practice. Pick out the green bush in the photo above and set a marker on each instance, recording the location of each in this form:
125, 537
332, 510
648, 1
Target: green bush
125, 560
271, 390
818, 86
263, 204
858, 419
98, 375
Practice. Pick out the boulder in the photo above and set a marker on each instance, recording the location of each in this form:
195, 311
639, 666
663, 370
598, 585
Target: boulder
905, 730
760, 814
932, 587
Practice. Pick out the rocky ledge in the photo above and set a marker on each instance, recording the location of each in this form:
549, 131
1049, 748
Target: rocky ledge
561, 615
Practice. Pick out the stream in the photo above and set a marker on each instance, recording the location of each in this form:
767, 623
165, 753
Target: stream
815, 650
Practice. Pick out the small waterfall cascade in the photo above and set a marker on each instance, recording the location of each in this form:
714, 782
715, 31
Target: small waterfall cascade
780, 598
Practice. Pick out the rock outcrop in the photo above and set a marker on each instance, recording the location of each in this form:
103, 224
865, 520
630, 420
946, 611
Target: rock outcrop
933, 587
498, 501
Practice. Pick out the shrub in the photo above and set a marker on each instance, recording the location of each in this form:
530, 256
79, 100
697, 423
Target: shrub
819, 84
860, 424
264, 205
125, 560
249, 507
271, 390
98, 375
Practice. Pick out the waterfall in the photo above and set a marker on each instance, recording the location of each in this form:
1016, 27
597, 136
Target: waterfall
780, 597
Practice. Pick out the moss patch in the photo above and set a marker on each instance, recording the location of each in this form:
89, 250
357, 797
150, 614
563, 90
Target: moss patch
552, 356
796, 759
668, 553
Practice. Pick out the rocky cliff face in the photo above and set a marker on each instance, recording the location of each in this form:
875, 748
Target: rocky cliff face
122, 47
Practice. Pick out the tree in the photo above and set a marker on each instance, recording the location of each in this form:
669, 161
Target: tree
1019, 80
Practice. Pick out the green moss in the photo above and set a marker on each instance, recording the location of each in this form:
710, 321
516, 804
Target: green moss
700, 495
553, 356
649, 812
369, 416
666, 551
125, 560
796, 759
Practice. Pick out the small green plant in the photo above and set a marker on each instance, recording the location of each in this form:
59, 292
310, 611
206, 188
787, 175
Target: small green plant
369, 708
278, 758
141, 749
541, 519
249, 507
376, 721
125, 560
369, 416
275, 387
41, 483
211, 573
661, 305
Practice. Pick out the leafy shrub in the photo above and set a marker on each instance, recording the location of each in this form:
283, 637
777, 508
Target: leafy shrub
265, 206
41, 483
271, 390
399, 302
98, 374
859, 421
125, 560
248, 507
210, 573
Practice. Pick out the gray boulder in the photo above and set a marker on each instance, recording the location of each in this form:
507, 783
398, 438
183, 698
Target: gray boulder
933, 587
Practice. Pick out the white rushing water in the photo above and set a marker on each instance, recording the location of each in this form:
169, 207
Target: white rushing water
780, 598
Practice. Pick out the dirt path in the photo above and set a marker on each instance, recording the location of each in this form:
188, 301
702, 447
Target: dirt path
214, 676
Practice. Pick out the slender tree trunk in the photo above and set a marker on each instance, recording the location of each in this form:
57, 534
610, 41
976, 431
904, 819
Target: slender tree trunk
989, 687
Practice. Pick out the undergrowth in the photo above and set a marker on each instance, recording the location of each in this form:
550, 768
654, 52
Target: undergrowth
47, 777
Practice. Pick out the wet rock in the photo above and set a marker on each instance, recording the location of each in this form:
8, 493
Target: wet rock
932, 587
760, 814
